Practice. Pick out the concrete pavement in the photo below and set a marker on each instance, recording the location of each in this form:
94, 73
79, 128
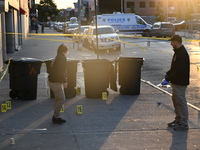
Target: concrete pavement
122, 122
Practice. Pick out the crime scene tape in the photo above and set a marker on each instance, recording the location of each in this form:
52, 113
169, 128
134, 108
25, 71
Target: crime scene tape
43, 34
4, 72
144, 49
50, 39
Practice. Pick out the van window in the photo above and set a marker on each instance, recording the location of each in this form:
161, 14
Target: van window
167, 26
139, 21
104, 31
156, 26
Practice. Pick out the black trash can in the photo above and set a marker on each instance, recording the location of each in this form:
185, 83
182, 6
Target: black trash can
23, 78
130, 75
96, 76
48, 67
70, 91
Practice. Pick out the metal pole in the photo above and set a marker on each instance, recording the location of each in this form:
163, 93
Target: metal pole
121, 6
79, 18
167, 9
97, 51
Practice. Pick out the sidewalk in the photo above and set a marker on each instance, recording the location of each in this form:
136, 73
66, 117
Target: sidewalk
122, 122
189, 34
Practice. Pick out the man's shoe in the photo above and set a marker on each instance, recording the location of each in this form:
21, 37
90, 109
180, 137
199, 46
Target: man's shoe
58, 120
181, 127
173, 124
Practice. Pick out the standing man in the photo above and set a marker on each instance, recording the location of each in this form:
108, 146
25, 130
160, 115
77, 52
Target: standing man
36, 28
58, 81
178, 76
42, 28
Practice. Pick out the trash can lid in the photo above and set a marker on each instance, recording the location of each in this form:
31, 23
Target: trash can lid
131, 58
95, 60
73, 60
26, 60
47, 60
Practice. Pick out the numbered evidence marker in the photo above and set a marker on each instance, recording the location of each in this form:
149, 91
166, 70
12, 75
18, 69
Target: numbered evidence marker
8, 103
78, 90
104, 95
3, 107
62, 109
79, 109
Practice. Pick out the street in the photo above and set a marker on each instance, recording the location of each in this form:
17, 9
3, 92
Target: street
156, 52
120, 122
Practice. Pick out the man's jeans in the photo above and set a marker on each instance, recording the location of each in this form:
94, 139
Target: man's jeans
180, 103
59, 94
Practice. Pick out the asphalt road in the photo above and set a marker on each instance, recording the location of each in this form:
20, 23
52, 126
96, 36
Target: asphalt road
121, 122
156, 52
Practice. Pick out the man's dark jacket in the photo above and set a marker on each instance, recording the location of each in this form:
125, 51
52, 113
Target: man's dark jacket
180, 67
58, 71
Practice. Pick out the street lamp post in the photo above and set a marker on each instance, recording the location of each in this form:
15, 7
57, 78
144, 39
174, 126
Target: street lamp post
97, 51
122, 6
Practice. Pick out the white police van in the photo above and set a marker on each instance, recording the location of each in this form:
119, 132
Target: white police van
125, 23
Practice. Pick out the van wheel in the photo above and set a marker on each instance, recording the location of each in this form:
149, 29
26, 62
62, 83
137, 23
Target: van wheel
146, 33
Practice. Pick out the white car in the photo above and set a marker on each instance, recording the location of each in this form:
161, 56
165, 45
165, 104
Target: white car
107, 38
60, 27
71, 27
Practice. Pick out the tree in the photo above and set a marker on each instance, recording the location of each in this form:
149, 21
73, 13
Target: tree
159, 15
188, 13
46, 8
132, 9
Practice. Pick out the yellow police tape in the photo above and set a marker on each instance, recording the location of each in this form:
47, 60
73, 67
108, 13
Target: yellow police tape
4, 72
128, 36
49, 39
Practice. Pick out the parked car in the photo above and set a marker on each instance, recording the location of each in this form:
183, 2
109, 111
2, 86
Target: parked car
162, 29
56, 26
66, 26
78, 32
60, 27
70, 29
107, 38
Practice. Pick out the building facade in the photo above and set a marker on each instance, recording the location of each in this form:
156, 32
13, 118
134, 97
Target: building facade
179, 9
14, 26
170, 8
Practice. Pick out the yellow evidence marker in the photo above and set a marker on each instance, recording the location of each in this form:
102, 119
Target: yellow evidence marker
3, 107
104, 96
8, 103
79, 109
78, 90
62, 109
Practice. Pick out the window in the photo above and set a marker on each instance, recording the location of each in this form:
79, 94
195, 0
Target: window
142, 5
129, 4
167, 26
152, 4
104, 30
139, 21
160, 4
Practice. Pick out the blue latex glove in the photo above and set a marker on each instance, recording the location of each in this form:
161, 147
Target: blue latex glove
164, 82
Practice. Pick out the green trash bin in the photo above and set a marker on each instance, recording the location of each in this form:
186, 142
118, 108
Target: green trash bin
129, 75
23, 77
97, 77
